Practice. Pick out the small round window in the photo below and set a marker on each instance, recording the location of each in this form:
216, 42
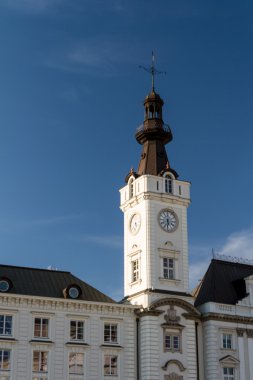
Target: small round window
74, 292
4, 286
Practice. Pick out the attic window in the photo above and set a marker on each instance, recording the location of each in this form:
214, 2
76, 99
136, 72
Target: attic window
72, 291
5, 285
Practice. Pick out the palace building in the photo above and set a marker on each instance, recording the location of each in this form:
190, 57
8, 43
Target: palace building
54, 326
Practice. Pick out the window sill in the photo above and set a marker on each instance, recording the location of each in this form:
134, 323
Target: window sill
5, 339
138, 282
71, 343
111, 345
228, 349
171, 280
41, 341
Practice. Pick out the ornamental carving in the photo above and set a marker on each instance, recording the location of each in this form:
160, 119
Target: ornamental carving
173, 376
240, 332
171, 317
249, 333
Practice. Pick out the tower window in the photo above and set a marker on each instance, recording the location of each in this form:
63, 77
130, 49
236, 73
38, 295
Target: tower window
168, 185
180, 190
135, 270
168, 268
131, 188
151, 112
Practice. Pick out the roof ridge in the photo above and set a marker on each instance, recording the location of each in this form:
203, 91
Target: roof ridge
32, 268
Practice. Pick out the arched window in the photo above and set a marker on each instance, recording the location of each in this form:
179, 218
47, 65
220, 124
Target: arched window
131, 188
168, 184
151, 112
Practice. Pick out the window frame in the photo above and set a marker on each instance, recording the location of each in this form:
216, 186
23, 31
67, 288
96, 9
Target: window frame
4, 334
40, 336
77, 321
40, 374
5, 371
229, 376
76, 375
112, 373
170, 269
111, 341
135, 270
227, 337
172, 334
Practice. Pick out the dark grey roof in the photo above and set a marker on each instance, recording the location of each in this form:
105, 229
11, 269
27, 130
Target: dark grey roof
47, 283
224, 283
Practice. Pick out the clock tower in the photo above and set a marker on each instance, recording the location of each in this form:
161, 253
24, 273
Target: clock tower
154, 202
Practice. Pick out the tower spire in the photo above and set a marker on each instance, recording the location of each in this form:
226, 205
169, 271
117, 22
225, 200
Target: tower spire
153, 134
152, 70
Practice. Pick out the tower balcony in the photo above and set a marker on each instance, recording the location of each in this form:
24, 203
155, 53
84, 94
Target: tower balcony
153, 129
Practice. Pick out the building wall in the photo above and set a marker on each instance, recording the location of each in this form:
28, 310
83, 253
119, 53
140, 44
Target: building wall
22, 342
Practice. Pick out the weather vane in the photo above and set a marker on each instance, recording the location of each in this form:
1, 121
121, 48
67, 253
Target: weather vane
152, 70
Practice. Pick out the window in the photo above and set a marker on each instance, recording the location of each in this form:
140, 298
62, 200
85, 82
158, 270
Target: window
40, 365
111, 365
76, 364
5, 361
135, 270
76, 330
168, 268
168, 185
131, 188
227, 341
5, 325
41, 327
228, 373
172, 341
111, 333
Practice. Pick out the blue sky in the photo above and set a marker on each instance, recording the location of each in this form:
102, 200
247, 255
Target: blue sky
71, 98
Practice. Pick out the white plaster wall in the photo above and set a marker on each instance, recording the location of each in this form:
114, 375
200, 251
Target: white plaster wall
151, 239
60, 312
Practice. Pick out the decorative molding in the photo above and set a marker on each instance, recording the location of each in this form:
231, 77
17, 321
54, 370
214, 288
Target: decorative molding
147, 312
227, 318
229, 359
171, 317
77, 344
176, 362
173, 376
240, 332
43, 305
249, 333
176, 302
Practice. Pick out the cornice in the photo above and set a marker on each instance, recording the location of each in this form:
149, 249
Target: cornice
13, 302
149, 195
147, 312
227, 318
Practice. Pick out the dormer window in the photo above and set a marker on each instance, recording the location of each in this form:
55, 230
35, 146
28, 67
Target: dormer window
72, 291
5, 285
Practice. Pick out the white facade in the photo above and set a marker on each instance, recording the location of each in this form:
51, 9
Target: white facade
150, 244
71, 342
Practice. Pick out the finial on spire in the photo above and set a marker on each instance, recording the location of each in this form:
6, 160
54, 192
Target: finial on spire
152, 70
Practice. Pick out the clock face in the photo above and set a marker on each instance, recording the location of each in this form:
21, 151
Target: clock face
168, 220
135, 223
